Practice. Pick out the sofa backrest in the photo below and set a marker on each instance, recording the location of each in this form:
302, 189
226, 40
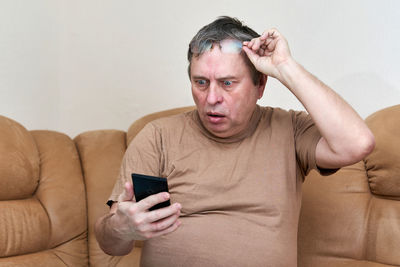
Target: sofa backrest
42, 199
101, 154
352, 218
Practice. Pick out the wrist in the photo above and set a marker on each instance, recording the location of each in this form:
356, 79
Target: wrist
286, 66
289, 72
113, 224
111, 240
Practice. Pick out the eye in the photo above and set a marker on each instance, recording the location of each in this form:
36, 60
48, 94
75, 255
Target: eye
201, 83
228, 83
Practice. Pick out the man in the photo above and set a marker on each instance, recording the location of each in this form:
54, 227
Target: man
234, 169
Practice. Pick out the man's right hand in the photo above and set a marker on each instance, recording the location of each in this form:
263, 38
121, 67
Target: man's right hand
133, 220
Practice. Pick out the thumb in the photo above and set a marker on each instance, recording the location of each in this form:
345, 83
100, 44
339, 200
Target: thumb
127, 195
261, 63
251, 55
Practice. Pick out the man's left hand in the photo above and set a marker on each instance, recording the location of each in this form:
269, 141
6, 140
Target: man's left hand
268, 52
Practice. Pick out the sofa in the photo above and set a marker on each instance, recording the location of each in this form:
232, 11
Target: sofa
53, 188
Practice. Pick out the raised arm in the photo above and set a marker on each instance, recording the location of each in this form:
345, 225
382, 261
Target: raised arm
345, 137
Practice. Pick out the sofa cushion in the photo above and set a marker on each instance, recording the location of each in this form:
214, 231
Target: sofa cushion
43, 198
20, 179
383, 166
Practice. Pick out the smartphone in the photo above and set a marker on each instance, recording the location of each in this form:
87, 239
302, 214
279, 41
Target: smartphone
146, 185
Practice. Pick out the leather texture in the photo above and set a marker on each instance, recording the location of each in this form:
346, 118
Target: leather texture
101, 153
43, 207
53, 189
352, 218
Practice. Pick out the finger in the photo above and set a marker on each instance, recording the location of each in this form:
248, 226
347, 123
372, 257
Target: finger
152, 200
148, 229
270, 35
248, 44
264, 35
159, 214
127, 195
273, 32
144, 228
271, 45
257, 43
251, 54
168, 230
251, 43
165, 223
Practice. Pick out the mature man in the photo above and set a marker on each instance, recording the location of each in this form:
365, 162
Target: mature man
234, 169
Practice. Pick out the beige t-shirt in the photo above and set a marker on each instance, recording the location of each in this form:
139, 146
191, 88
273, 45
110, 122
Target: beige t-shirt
240, 196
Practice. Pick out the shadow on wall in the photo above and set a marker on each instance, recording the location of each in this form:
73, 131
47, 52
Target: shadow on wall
367, 92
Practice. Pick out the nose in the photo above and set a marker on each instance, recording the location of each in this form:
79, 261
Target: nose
214, 95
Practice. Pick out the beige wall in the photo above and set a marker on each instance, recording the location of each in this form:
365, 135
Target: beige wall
73, 66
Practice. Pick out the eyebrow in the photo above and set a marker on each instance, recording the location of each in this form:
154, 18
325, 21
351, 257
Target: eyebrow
228, 78
199, 78
221, 78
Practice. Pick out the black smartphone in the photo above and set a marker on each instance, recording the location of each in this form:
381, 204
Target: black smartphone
146, 185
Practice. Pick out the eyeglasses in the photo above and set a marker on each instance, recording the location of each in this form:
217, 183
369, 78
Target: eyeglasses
228, 46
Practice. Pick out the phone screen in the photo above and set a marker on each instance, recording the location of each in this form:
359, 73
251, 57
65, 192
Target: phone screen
146, 185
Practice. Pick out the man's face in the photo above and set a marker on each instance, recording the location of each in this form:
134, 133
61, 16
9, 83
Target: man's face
224, 92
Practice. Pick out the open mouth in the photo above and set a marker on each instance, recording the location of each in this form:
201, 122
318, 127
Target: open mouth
215, 115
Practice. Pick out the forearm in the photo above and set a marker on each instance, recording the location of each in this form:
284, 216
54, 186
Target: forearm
108, 239
328, 110
342, 128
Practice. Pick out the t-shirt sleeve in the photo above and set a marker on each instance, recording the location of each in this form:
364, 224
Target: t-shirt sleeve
143, 156
306, 136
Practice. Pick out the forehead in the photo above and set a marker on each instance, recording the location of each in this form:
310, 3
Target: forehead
215, 63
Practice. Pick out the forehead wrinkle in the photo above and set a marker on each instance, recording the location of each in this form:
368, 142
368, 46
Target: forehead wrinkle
218, 65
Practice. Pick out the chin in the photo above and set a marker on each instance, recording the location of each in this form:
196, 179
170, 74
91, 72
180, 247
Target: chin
220, 132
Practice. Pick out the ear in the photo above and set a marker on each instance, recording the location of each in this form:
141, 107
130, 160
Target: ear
261, 85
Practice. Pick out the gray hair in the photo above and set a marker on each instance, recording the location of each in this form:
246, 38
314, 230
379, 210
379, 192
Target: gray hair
223, 28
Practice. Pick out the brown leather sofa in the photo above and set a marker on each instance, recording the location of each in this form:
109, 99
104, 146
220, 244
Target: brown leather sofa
53, 188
